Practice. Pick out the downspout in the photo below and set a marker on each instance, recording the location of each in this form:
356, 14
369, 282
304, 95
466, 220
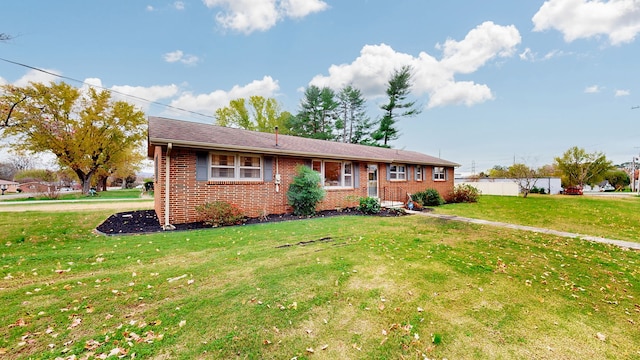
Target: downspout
167, 179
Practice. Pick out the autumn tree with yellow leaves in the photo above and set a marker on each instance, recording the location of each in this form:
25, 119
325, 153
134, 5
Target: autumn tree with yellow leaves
87, 131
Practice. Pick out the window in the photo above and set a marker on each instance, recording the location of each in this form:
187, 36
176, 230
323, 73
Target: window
418, 172
236, 167
398, 172
439, 173
334, 173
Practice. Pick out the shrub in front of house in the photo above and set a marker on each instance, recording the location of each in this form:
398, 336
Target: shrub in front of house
429, 197
219, 213
464, 193
305, 192
369, 205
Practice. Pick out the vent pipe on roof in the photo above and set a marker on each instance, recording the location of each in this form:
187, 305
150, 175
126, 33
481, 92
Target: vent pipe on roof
276, 136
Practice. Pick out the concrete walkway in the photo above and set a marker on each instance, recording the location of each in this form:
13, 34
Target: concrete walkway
80, 204
620, 243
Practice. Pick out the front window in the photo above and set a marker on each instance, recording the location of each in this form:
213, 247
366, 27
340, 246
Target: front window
418, 173
334, 173
236, 167
439, 173
398, 172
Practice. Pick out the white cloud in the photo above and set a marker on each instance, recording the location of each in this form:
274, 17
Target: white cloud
593, 89
179, 56
527, 55
143, 96
178, 5
150, 8
248, 16
623, 93
38, 77
370, 71
583, 19
208, 103
3, 81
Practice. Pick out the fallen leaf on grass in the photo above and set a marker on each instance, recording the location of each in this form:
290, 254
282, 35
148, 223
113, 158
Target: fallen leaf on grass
75, 322
19, 322
601, 336
182, 323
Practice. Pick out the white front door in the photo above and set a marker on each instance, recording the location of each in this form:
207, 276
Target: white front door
372, 180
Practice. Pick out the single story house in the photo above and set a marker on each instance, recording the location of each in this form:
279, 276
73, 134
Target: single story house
196, 163
8, 186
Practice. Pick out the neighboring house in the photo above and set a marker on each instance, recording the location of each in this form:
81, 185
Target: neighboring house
8, 186
253, 170
36, 187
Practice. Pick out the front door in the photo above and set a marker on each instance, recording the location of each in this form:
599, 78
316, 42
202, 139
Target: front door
372, 180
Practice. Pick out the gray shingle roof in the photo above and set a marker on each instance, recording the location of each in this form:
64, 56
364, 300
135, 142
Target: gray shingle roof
163, 131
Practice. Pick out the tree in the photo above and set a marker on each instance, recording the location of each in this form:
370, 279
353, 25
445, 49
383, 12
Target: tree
524, 176
352, 118
316, 118
398, 90
619, 179
261, 114
84, 130
580, 168
7, 171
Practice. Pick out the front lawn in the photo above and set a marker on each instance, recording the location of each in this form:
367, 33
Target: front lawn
335, 288
615, 218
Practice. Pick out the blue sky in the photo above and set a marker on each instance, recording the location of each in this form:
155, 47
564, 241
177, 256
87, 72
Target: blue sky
498, 80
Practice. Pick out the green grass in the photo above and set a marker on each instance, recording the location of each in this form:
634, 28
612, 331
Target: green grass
615, 218
111, 194
380, 288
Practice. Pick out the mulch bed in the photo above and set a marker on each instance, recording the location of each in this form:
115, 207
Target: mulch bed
146, 221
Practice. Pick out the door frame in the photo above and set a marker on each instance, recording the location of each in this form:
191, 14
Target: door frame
372, 169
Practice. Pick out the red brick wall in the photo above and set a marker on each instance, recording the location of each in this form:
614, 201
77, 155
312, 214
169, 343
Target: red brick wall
257, 198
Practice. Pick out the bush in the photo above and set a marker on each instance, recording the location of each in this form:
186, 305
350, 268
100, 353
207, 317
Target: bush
464, 194
429, 197
305, 192
369, 205
219, 213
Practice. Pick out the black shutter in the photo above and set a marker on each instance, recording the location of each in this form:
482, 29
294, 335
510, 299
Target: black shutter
202, 166
268, 168
356, 174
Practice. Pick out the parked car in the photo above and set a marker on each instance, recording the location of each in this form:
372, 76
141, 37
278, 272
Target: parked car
573, 190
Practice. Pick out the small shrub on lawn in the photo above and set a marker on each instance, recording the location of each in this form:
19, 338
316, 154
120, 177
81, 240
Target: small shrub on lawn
219, 213
305, 192
369, 205
464, 193
429, 197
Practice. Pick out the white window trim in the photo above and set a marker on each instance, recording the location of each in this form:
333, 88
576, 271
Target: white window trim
398, 172
236, 167
439, 176
343, 176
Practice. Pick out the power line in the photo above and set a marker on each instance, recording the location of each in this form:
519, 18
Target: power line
107, 89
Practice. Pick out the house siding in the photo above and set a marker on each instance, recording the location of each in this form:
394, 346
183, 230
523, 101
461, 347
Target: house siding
262, 197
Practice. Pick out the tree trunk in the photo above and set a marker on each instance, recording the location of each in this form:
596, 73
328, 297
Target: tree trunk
85, 180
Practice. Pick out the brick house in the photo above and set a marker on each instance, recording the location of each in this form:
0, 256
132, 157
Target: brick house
253, 170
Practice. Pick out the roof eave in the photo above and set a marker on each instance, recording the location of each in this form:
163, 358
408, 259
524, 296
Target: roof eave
276, 151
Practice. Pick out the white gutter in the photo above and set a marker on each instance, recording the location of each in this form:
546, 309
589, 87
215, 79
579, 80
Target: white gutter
167, 165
